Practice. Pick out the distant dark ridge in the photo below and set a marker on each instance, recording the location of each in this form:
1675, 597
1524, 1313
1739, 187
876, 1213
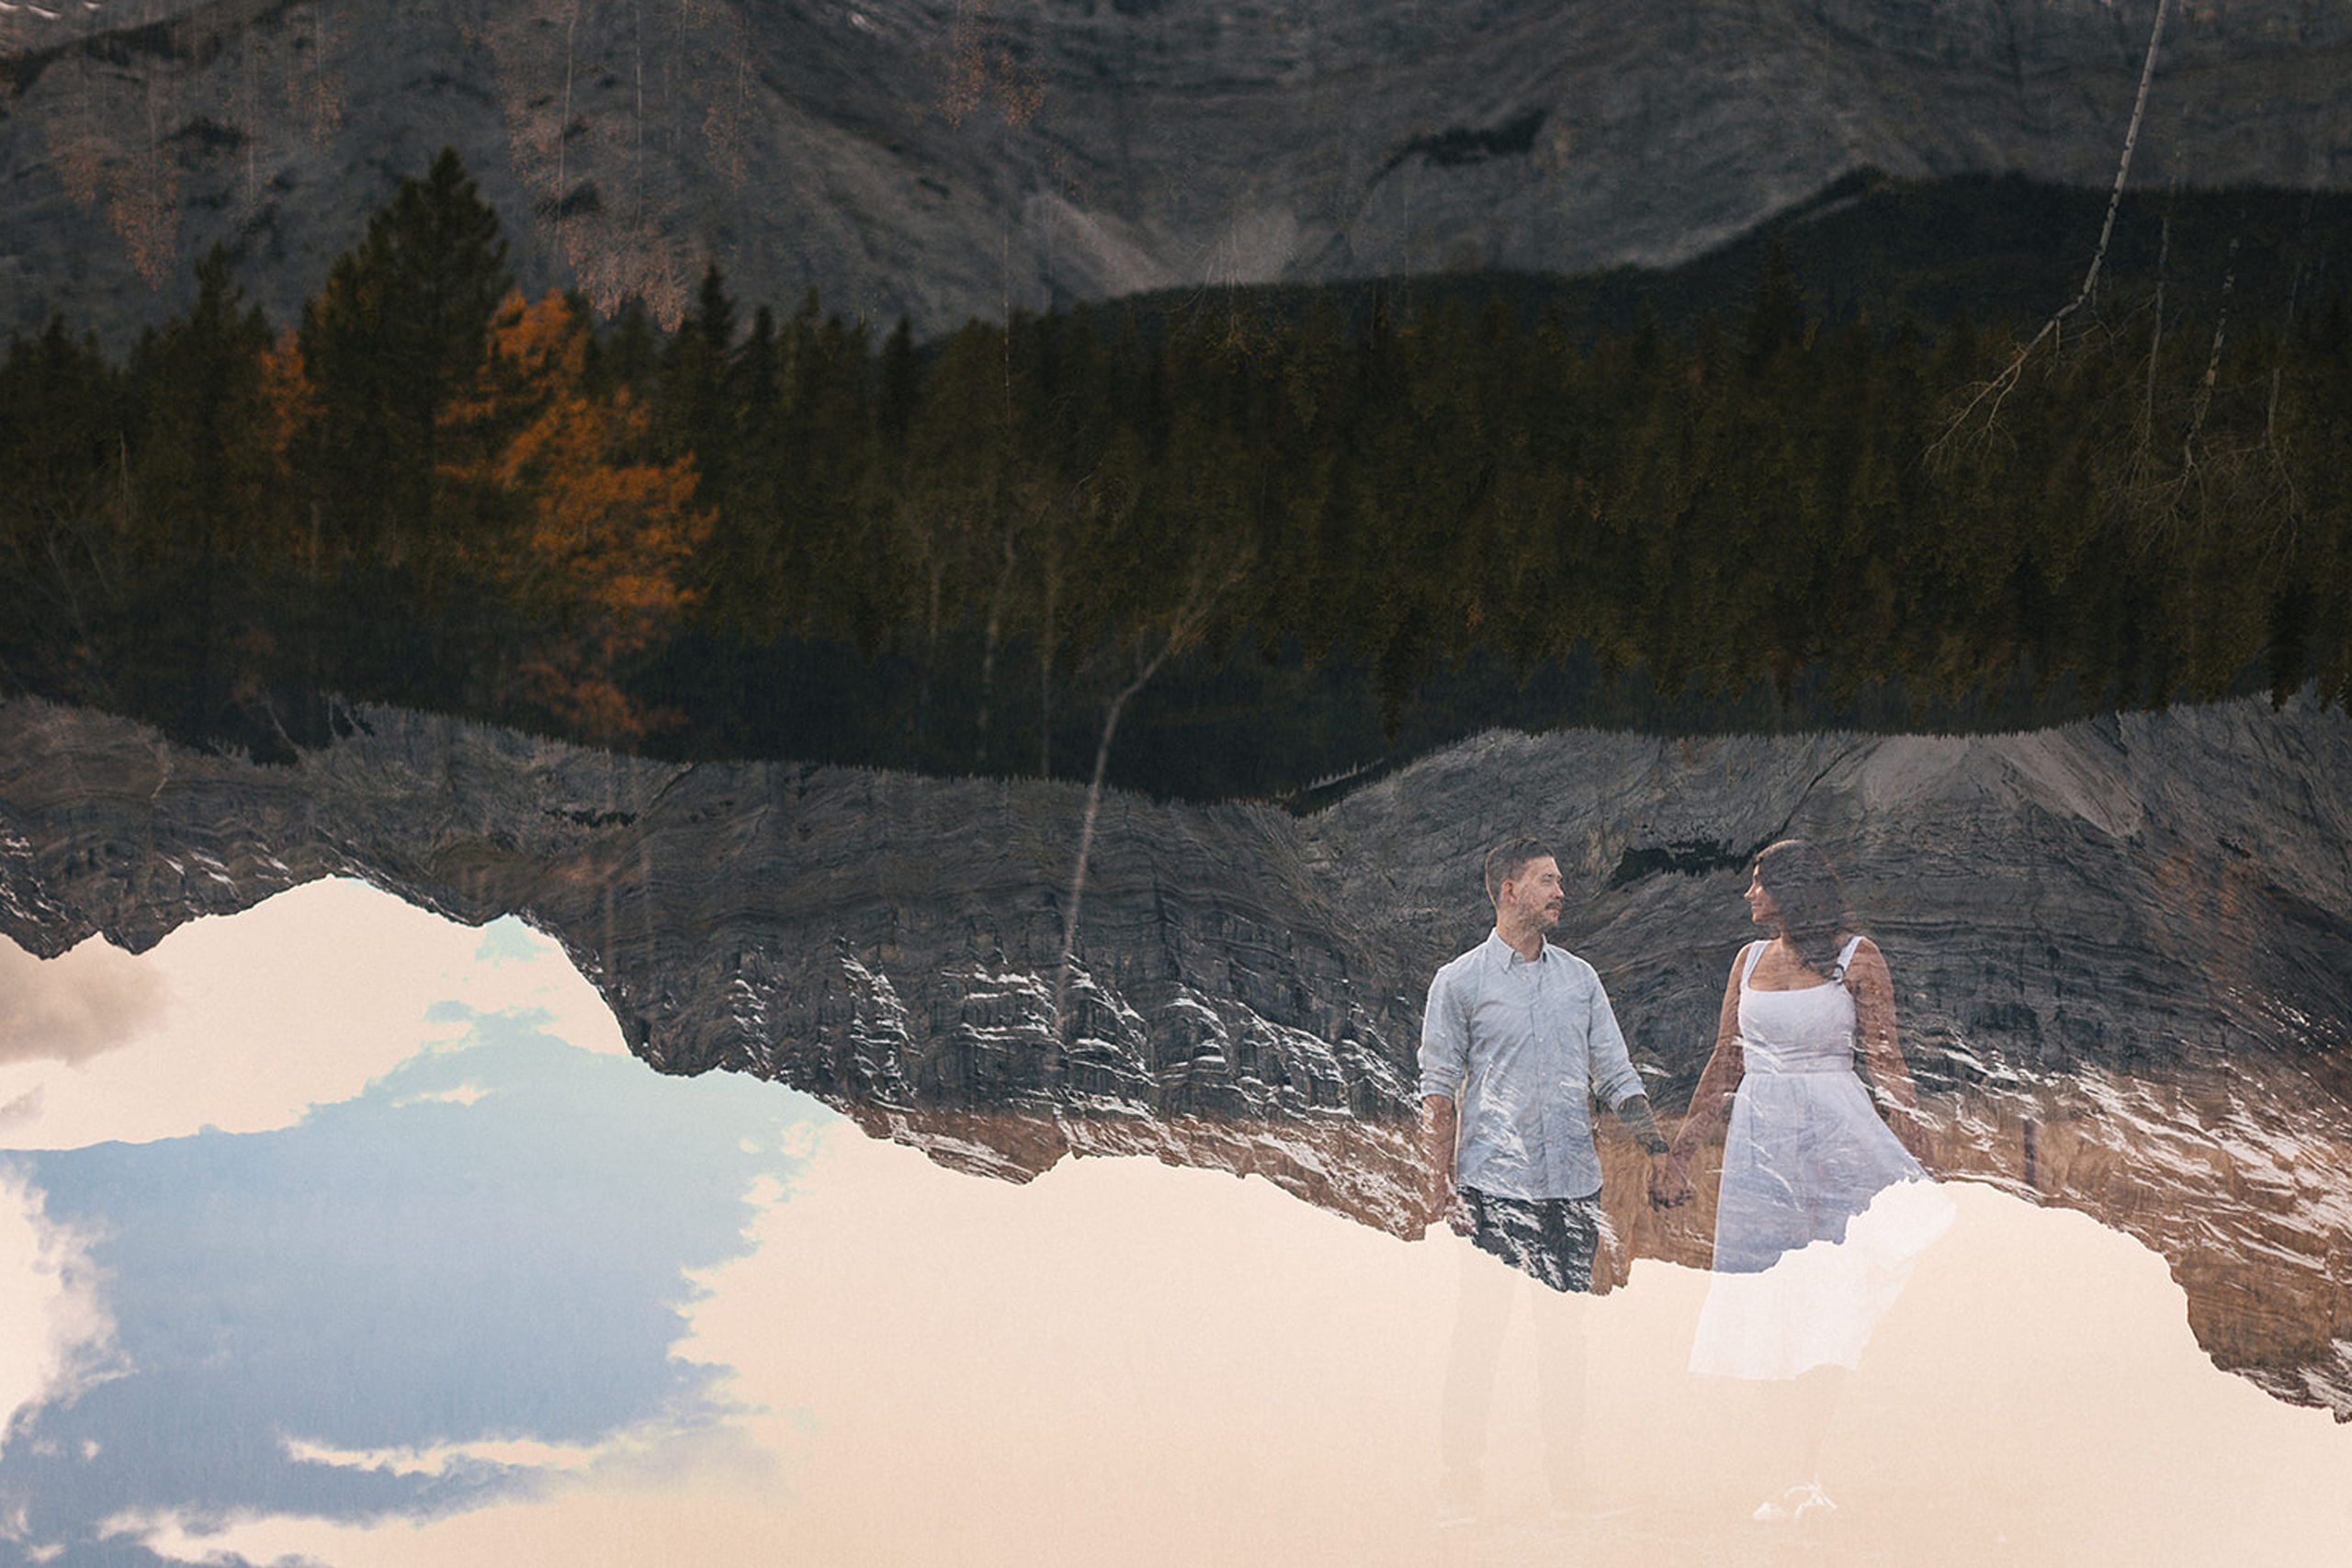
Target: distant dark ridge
1414, 531
1982, 248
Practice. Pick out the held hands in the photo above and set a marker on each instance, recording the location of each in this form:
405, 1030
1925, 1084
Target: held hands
1669, 1182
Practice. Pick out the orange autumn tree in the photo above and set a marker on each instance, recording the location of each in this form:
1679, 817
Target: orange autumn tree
594, 557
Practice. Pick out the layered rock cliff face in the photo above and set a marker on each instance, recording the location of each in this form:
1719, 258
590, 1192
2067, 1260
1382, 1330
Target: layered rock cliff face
2121, 948
944, 158
2122, 958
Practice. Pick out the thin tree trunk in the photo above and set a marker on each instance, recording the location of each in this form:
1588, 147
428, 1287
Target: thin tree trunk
2286, 329
1189, 620
2131, 141
930, 657
1999, 386
1086, 832
2212, 371
2155, 337
563, 128
994, 629
1046, 682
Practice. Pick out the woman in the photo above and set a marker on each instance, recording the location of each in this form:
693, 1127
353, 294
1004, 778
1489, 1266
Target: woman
1818, 1220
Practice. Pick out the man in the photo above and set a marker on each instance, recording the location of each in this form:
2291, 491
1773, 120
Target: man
1517, 1040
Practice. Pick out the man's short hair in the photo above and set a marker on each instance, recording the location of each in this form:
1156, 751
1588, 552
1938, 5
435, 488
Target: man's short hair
1508, 858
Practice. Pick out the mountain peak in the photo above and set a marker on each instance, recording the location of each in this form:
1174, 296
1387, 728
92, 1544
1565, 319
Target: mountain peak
943, 162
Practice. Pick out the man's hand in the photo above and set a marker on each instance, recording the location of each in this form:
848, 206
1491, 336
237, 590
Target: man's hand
1454, 1208
1437, 1153
1669, 1182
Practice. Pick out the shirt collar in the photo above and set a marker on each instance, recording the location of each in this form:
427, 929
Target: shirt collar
1504, 954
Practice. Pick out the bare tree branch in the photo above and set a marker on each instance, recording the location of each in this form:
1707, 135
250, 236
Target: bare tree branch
1192, 616
1999, 386
2212, 371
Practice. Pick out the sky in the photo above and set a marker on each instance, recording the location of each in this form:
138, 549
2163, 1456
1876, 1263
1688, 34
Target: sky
335, 1233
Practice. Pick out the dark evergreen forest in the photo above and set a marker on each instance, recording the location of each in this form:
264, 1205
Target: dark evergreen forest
1281, 537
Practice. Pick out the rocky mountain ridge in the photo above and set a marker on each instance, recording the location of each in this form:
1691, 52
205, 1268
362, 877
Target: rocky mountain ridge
2124, 970
947, 158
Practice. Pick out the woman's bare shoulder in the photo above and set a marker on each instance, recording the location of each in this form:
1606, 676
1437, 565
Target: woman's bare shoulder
1868, 961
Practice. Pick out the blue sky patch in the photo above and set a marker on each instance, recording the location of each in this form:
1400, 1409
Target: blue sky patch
491, 1243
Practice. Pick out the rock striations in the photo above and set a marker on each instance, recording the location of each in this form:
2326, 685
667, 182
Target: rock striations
2121, 948
945, 159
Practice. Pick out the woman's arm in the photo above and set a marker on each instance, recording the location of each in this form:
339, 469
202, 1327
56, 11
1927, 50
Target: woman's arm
1873, 987
1721, 1076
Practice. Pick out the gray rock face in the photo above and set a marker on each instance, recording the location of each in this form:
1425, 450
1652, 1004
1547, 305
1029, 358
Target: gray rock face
2122, 954
2120, 949
871, 936
945, 159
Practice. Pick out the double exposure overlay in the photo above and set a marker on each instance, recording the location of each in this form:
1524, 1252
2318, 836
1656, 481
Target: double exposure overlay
1193, 783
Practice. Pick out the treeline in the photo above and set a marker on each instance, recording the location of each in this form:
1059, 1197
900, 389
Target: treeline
428, 490
1280, 544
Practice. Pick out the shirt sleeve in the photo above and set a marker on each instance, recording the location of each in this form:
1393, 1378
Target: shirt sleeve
1613, 1078
1446, 1038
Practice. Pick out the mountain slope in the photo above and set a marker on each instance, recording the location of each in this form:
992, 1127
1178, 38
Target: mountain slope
944, 159
2123, 968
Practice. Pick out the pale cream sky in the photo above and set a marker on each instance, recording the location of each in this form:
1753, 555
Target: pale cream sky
243, 1022
1124, 1362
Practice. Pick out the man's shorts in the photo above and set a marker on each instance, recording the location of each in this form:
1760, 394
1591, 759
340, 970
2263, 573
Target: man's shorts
1551, 1239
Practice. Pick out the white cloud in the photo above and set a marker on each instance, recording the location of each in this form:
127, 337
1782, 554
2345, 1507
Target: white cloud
23, 1111
464, 1094
655, 1493
57, 1338
171, 1535
301, 1001
519, 1454
70, 1009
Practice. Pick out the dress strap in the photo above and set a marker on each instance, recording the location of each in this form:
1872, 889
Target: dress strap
1748, 964
1845, 957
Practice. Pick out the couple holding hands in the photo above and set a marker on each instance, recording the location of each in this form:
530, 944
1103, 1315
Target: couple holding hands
1519, 1040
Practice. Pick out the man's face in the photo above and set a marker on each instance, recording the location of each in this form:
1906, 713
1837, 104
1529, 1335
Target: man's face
1534, 895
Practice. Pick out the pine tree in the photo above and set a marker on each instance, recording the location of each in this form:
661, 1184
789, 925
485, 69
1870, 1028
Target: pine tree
206, 476
64, 545
396, 338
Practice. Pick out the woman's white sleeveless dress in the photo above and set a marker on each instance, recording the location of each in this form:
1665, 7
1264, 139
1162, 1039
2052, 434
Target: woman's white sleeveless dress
1821, 1211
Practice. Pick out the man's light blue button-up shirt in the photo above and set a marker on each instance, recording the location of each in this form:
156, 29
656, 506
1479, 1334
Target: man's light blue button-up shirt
1521, 1048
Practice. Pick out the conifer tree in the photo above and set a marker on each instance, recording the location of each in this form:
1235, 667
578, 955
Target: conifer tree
699, 408
204, 476
397, 338
63, 542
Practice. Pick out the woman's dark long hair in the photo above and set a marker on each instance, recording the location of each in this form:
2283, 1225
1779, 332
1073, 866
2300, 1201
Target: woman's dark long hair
1812, 901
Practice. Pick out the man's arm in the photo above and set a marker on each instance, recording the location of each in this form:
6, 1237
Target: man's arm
1439, 1126
1612, 1070
1446, 1067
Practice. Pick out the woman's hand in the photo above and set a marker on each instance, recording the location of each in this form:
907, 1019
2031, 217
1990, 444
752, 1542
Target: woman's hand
1669, 1180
